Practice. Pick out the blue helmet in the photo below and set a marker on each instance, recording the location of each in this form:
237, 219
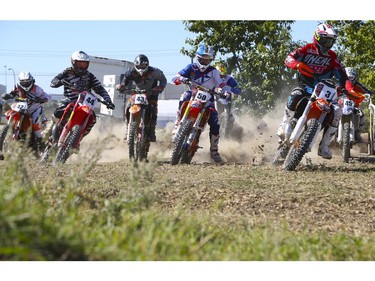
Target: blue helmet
204, 56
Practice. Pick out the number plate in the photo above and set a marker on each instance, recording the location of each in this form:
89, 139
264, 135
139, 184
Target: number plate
202, 96
140, 99
90, 100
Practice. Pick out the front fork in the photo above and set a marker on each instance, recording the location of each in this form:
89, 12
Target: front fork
198, 126
348, 118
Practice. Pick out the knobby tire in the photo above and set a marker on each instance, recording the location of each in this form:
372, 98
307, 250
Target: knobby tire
346, 142
180, 141
132, 141
302, 147
71, 141
3, 135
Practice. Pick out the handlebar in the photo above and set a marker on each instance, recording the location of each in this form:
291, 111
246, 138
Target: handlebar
202, 88
71, 86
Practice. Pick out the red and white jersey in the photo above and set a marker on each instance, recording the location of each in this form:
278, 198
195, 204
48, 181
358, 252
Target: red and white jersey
324, 66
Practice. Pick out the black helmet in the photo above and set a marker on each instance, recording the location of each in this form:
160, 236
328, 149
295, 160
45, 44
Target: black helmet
141, 64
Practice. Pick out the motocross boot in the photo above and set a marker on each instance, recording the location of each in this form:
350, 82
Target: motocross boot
357, 133
175, 126
48, 130
40, 143
285, 128
214, 148
55, 131
323, 150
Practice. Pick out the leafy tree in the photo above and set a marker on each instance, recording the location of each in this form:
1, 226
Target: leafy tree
254, 52
355, 45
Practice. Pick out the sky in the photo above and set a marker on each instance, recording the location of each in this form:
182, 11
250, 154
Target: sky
44, 47
41, 37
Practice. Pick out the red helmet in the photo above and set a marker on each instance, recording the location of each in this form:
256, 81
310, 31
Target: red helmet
324, 38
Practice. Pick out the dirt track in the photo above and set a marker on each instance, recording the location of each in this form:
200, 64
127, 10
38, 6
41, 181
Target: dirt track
321, 195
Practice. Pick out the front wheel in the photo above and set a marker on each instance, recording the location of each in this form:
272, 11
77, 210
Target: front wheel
69, 144
301, 146
3, 140
346, 142
133, 141
180, 141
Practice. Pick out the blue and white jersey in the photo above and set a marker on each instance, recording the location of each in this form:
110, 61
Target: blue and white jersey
232, 83
210, 78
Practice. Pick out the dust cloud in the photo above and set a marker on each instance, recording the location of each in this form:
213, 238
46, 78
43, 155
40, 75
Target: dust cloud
253, 141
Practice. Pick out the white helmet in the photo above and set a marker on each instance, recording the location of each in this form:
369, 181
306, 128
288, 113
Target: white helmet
26, 80
324, 37
80, 62
351, 73
204, 56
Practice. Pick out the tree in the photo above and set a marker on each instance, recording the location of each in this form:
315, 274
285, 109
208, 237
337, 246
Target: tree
254, 52
355, 44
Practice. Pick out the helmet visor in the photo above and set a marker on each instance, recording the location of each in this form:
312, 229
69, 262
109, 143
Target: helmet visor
142, 66
204, 61
82, 64
327, 42
26, 83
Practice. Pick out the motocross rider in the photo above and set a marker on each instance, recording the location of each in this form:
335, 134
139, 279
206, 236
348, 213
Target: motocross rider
318, 60
357, 97
148, 78
82, 80
203, 73
232, 83
26, 88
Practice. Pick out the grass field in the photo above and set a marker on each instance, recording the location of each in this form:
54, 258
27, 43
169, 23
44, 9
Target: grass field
101, 207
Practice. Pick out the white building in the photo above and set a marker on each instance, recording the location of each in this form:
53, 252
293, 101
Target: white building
111, 72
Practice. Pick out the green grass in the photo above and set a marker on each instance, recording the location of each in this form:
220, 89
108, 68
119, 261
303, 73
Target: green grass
66, 214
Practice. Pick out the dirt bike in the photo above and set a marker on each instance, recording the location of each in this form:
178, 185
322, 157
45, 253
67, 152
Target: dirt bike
315, 116
195, 114
21, 128
347, 127
140, 116
67, 134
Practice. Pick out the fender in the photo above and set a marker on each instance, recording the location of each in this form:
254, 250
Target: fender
135, 108
11, 113
195, 109
317, 108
